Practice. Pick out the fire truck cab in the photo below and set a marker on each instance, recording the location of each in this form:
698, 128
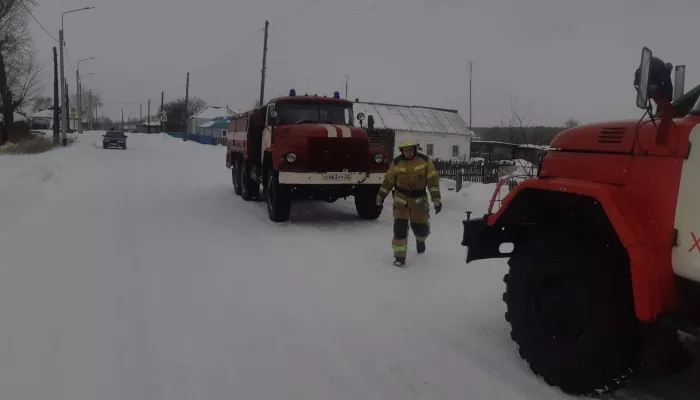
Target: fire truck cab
604, 244
305, 148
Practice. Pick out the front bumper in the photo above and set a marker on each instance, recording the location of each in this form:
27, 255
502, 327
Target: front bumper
330, 178
483, 240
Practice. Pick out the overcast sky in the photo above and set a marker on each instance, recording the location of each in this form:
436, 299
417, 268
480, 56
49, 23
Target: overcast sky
570, 58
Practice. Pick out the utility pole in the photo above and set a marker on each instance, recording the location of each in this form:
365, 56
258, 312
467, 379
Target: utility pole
78, 99
67, 112
264, 65
65, 109
123, 119
89, 110
56, 101
187, 100
162, 109
470, 95
149, 116
140, 113
347, 79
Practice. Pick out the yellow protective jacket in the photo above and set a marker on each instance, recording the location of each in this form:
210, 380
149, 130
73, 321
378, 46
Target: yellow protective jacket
410, 178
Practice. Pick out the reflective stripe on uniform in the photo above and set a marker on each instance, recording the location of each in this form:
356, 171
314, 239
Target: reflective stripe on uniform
419, 167
400, 200
400, 169
435, 189
384, 190
419, 200
400, 249
432, 174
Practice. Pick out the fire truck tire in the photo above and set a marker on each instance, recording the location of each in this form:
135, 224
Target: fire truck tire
279, 204
249, 187
236, 175
571, 310
366, 202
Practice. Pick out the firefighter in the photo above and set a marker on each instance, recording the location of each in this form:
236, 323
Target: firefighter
411, 176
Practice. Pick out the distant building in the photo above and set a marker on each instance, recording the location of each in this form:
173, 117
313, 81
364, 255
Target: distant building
42, 119
151, 127
441, 133
217, 127
208, 114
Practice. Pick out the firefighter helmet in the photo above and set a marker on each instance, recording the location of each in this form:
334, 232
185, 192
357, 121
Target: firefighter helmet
409, 143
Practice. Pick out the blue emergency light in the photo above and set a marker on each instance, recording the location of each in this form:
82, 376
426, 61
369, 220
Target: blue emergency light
292, 92
336, 95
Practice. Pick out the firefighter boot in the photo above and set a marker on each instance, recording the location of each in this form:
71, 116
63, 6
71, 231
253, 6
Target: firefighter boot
420, 246
400, 262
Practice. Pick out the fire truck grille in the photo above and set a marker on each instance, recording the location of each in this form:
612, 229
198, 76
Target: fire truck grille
337, 154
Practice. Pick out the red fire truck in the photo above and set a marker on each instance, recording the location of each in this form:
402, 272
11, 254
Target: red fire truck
306, 147
604, 244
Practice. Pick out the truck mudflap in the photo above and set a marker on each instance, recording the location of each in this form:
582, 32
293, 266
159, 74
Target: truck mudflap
482, 240
331, 178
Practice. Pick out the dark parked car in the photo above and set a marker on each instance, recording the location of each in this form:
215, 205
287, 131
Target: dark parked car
114, 139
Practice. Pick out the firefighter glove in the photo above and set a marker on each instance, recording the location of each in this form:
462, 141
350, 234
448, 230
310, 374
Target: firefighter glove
380, 207
438, 208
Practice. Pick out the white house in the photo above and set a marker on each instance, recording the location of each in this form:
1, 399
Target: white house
209, 114
42, 119
441, 133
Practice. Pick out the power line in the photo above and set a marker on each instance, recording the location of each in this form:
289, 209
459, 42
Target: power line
37, 21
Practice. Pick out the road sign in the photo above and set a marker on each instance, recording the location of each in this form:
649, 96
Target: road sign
163, 116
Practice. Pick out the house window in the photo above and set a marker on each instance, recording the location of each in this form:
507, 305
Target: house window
224, 132
455, 151
430, 149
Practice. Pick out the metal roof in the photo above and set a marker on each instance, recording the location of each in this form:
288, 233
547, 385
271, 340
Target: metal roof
212, 112
217, 123
415, 118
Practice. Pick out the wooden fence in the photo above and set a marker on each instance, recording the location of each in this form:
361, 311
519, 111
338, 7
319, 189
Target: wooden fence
468, 171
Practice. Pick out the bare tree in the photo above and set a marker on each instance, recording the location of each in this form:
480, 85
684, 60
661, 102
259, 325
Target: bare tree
571, 123
42, 103
519, 122
88, 95
19, 67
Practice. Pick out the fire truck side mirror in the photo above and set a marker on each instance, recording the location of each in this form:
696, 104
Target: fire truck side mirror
642, 79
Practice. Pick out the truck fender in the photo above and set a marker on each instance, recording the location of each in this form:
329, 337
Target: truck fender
651, 281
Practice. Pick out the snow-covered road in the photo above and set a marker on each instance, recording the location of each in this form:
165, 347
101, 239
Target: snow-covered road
139, 275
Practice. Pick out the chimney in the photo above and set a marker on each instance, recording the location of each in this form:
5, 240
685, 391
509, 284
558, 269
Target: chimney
370, 122
679, 84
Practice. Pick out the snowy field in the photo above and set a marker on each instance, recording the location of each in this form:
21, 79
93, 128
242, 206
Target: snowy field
139, 275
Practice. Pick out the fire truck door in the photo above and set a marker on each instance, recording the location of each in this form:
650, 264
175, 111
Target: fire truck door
686, 256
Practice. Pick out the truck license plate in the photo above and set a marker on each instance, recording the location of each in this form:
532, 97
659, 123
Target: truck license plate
337, 177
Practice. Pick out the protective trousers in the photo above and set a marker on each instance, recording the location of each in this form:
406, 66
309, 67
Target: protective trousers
417, 212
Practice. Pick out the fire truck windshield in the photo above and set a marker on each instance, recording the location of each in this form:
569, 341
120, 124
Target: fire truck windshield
696, 107
301, 113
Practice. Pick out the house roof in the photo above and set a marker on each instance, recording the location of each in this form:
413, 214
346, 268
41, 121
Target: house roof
152, 123
217, 123
16, 116
415, 118
48, 113
212, 112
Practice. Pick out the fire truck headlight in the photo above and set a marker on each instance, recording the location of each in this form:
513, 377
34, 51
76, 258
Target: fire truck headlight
291, 158
378, 158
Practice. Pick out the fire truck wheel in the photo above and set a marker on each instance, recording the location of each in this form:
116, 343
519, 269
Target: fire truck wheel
279, 204
249, 187
365, 202
236, 175
571, 309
